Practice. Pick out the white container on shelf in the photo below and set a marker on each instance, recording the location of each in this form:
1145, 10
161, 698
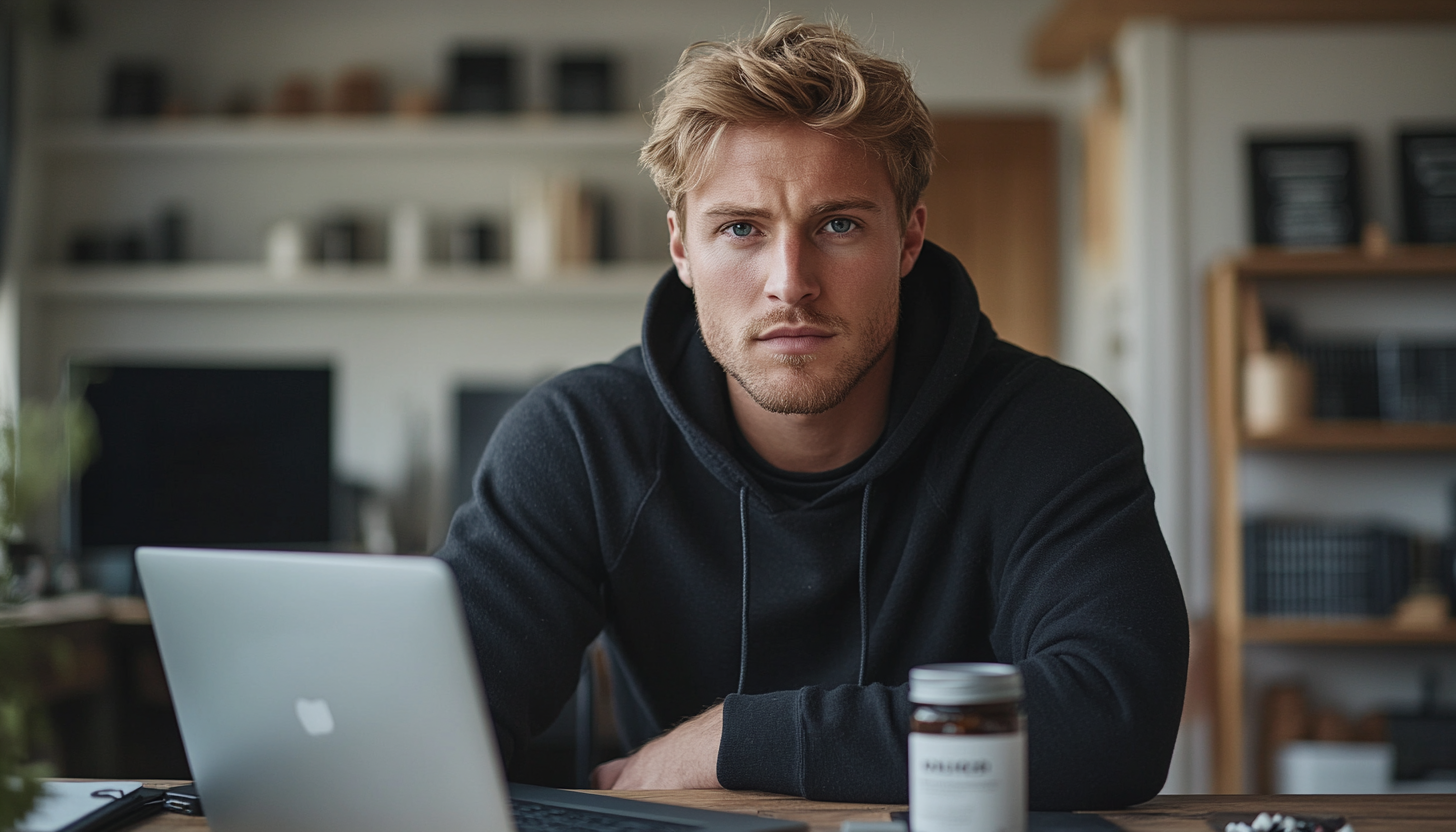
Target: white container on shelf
284, 249
1278, 392
1313, 767
533, 245
550, 227
407, 242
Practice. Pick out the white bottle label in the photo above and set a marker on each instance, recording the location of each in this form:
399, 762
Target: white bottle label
961, 783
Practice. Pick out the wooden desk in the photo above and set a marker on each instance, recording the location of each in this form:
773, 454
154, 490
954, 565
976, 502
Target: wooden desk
97, 671
1174, 813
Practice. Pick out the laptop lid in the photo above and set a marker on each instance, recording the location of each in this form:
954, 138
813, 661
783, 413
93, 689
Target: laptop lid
325, 692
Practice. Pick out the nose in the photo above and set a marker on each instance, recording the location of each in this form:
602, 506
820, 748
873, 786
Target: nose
793, 276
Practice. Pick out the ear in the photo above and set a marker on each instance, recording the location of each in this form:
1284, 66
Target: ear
913, 239
678, 251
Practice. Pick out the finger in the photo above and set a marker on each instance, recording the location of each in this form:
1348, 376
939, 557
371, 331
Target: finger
605, 775
632, 776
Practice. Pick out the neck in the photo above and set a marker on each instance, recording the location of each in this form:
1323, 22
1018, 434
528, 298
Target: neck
813, 442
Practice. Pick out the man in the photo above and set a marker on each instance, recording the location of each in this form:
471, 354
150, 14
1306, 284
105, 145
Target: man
820, 469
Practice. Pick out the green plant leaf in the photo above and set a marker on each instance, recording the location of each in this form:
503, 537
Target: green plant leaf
20, 726
40, 448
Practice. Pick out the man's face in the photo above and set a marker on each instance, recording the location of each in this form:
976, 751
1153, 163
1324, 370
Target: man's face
794, 251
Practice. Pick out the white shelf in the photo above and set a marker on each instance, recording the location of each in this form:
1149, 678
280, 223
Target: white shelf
536, 132
252, 282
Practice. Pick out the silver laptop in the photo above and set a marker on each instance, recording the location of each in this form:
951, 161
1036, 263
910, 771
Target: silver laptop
340, 692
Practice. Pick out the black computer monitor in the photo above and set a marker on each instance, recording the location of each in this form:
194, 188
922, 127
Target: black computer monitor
206, 456
478, 410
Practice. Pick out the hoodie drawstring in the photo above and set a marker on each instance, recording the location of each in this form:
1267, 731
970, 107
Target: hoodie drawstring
864, 540
864, 543
743, 616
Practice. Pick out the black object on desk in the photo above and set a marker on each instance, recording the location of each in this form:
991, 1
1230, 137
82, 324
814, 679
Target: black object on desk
123, 808
183, 800
1050, 822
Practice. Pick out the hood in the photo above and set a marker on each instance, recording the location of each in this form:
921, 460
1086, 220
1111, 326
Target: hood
942, 335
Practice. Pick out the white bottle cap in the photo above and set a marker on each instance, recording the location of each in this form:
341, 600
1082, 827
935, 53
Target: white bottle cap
964, 684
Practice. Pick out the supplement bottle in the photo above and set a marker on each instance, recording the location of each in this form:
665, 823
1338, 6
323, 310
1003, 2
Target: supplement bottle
967, 749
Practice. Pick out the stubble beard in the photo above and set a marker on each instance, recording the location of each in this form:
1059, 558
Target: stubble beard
809, 387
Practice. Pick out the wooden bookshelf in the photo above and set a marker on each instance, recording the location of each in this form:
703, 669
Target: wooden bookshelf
1233, 288
1364, 631
77, 607
1358, 436
252, 283
480, 134
1076, 31
1399, 261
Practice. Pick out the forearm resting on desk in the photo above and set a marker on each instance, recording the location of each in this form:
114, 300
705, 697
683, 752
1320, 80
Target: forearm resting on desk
684, 758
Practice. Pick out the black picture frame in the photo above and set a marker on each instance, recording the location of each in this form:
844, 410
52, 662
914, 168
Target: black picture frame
483, 80
1305, 191
1427, 159
586, 84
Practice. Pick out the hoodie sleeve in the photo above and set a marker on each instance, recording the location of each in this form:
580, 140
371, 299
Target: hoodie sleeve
526, 555
1086, 604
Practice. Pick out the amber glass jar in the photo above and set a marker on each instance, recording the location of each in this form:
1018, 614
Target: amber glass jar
987, 718
967, 749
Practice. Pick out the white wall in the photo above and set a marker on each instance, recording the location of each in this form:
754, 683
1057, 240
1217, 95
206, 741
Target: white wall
398, 367
1366, 80
964, 53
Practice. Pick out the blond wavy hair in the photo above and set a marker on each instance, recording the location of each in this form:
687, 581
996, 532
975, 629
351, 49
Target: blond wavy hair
790, 71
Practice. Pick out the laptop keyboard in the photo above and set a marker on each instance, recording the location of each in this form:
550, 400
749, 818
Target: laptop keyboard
541, 817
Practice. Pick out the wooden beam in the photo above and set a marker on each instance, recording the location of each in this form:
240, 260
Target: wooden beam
1224, 353
1080, 30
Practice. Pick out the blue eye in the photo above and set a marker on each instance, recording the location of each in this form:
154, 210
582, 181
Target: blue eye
840, 225
740, 229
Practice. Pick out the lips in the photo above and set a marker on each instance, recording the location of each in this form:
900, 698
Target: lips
795, 340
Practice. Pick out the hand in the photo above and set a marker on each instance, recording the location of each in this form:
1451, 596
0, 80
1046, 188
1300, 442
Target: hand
684, 758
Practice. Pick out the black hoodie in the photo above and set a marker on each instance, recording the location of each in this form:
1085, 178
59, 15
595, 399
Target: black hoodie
1005, 515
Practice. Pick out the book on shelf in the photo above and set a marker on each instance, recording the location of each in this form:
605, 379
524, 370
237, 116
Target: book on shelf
1389, 378
1417, 380
1324, 569
1346, 380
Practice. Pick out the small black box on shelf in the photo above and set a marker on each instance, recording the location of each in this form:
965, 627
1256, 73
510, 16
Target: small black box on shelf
87, 246
1428, 185
604, 230
129, 245
345, 239
482, 80
1446, 566
136, 89
477, 241
585, 84
1305, 192
170, 233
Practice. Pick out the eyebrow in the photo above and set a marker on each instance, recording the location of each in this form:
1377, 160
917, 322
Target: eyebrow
851, 204
727, 210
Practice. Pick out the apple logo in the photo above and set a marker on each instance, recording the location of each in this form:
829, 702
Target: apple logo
315, 716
